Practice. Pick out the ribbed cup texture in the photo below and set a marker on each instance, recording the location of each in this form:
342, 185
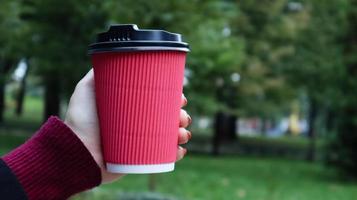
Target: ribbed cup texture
138, 100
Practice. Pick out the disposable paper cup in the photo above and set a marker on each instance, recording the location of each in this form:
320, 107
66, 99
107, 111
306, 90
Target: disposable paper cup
138, 95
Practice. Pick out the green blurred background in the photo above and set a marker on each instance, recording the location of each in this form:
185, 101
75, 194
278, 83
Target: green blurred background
271, 84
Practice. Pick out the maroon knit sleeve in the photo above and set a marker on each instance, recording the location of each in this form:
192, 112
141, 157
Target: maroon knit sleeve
54, 163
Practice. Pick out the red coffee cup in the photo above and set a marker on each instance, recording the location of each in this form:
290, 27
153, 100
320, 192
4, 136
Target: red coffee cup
138, 84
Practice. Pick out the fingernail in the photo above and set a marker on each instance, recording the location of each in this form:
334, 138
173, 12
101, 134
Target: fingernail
184, 100
189, 119
189, 135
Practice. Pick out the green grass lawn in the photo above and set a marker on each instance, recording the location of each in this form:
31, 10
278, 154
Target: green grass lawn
203, 177
199, 177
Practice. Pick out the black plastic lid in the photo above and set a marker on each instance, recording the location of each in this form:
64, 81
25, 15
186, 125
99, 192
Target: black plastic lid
128, 37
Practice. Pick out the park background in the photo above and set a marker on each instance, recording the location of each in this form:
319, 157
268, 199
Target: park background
271, 85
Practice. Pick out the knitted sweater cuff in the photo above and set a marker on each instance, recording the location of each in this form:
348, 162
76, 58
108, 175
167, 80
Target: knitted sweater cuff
54, 163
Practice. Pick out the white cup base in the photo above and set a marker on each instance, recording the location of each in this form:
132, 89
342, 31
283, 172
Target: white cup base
140, 169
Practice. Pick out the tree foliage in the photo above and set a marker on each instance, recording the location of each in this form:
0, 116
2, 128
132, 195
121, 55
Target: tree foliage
343, 147
60, 34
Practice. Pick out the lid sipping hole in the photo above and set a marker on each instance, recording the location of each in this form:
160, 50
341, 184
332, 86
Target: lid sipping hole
127, 35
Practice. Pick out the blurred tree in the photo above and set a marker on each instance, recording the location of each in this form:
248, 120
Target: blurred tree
20, 96
60, 34
11, 30
315, 68
343, 148
269, 30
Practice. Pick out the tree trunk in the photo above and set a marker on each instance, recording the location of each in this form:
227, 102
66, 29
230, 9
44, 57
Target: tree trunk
52, 96
219, 130
330, 121
225, 127
311, 154
263, 128
5, 67
2, 97
21, 94
232, 127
